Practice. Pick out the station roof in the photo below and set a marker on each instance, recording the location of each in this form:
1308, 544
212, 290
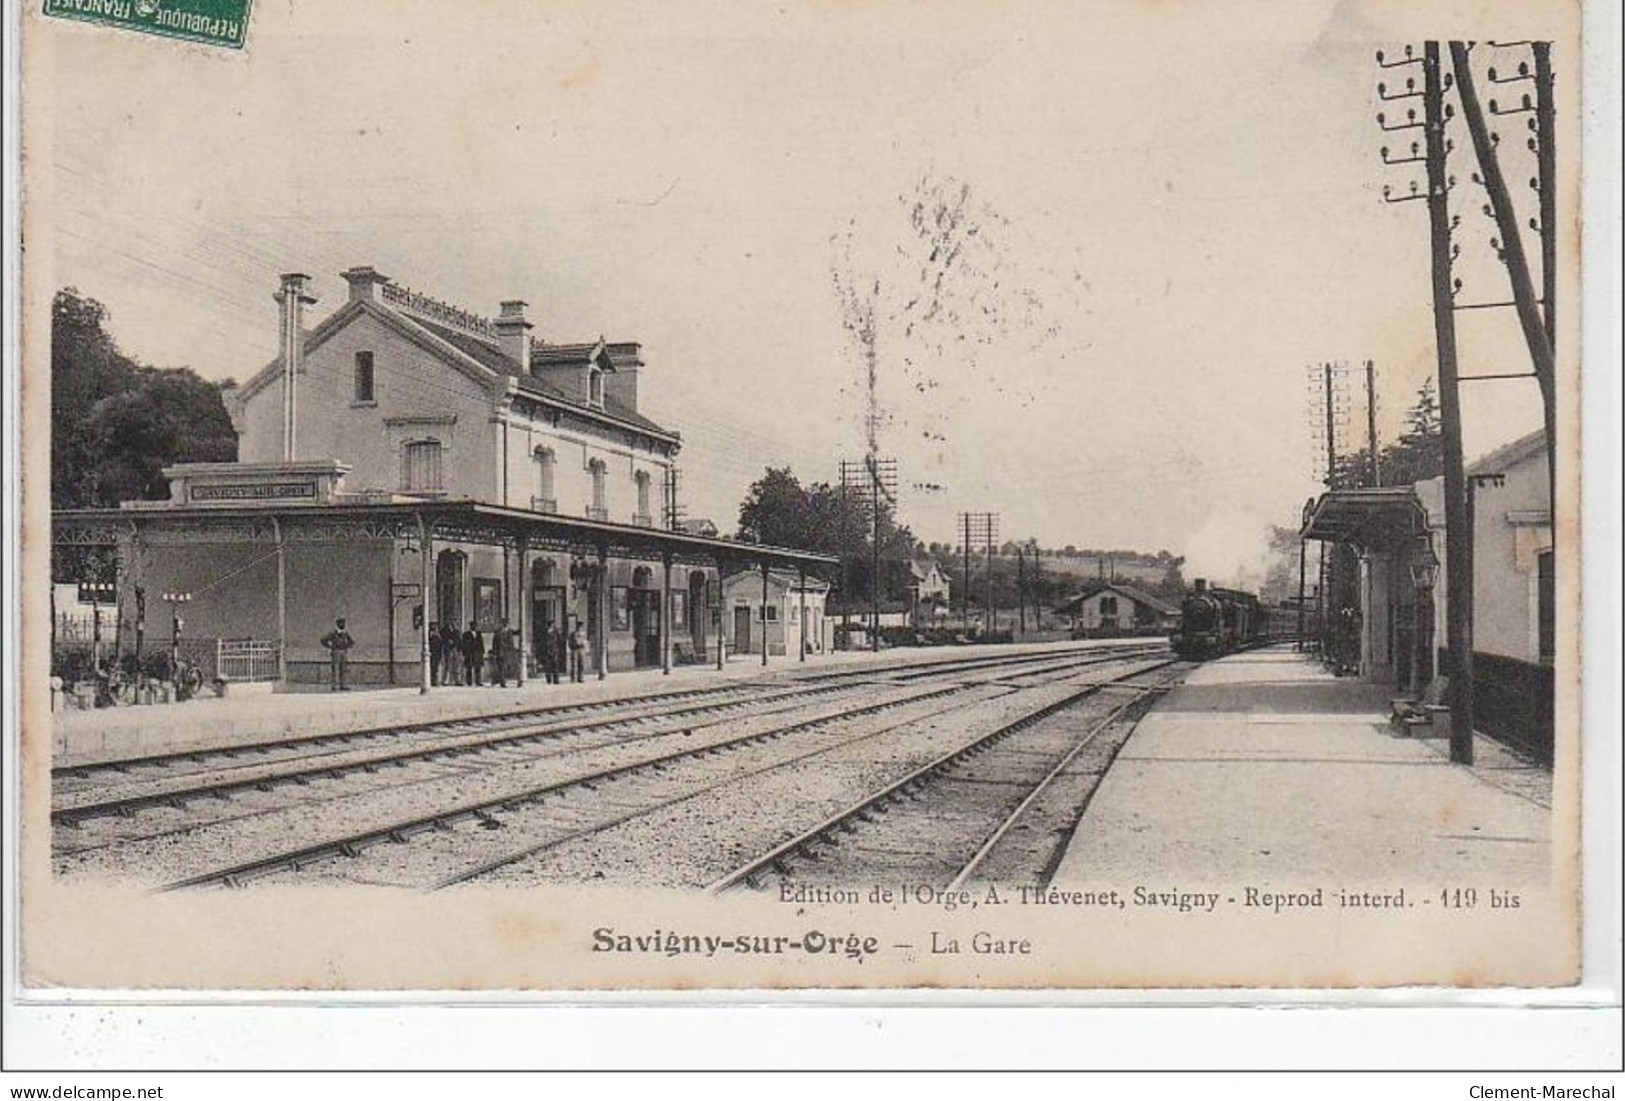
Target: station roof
1377, 519
460, 520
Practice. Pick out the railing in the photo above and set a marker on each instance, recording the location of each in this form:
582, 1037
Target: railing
642, 520
432, 309
601, 514
544, 504
247, 659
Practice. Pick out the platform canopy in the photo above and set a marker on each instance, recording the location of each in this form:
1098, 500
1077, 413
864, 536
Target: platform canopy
1385, 519
459, 521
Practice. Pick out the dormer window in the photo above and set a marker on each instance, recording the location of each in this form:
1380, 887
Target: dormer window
595, 387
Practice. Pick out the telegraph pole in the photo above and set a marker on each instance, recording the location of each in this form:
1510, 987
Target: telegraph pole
1458, 533
880, 482
1537, 320
1371, 421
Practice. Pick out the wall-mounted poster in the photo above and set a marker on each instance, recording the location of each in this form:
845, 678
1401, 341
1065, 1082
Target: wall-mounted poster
620, 612
487, 603
679, 611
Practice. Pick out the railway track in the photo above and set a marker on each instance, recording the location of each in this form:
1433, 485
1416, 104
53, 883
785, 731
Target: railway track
617, 768
962, 815
342, 756
484, 812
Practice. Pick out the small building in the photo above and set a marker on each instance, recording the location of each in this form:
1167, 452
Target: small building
1399, 615
749, 620
1112, 608
930, 597
1514, 591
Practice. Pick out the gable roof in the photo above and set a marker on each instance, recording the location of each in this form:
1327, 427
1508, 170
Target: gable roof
1520, 450
1138, 596
481, 360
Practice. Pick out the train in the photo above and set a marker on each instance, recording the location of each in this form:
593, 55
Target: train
1215, 621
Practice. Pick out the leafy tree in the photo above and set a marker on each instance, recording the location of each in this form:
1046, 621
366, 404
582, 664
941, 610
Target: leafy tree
116, 423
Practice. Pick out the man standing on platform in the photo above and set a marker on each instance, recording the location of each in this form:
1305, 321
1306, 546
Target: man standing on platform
473, 655
502, 653
338, 643
550, 654
578, 653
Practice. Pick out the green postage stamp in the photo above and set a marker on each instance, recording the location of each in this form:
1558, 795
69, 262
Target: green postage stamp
214, 22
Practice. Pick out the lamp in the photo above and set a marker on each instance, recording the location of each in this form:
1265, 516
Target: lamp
1424, 564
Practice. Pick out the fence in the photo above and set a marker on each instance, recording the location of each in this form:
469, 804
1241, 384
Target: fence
247, 659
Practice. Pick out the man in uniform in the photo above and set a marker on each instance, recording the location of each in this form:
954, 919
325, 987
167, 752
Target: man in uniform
338, 643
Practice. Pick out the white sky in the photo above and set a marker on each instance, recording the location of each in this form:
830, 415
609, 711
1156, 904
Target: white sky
1196, 207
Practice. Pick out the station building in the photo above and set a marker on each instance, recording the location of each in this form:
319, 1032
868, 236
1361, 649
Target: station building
407, 463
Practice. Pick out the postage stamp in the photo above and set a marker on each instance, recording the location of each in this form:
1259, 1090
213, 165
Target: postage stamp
212, 22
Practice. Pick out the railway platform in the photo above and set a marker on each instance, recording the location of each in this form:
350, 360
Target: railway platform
1263, 767
239, 718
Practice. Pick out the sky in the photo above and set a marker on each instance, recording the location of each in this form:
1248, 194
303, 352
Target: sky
1175, 218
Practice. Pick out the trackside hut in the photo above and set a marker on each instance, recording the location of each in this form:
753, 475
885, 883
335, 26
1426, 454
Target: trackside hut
1112, 609
540, 481
749, 621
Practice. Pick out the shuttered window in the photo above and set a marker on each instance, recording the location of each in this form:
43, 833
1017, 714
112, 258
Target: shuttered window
421, 466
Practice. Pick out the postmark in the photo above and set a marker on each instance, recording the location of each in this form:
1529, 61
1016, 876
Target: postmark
211, 22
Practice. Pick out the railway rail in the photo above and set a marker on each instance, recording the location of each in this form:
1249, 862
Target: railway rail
596, 768
843, 830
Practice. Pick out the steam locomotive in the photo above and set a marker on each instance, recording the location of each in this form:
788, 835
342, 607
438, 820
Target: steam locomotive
1214, 622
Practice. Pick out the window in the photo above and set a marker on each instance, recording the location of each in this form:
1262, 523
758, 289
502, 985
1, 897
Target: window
599, 509
545, 499
421, 466
595, 387
770, 614
363, 377
1108, 605
642, 516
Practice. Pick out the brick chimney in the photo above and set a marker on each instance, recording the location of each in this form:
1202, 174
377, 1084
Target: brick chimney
513, 333
364, 280
293, 300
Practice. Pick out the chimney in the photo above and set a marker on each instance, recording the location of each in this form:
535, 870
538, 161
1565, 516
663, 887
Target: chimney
1201, 584
513, 333
363, 280
293, 299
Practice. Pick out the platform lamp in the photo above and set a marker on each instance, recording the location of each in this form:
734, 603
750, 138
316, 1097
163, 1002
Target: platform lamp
1424, 567
1424, 564
175, 600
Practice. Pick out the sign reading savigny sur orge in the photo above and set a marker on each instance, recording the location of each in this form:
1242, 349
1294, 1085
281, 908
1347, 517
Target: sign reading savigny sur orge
252, 491
215, 22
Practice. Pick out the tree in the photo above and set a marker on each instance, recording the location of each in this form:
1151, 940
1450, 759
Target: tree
1419, 453
116, 423
775, 511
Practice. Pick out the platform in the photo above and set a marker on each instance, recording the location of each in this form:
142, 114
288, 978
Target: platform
1263, 767
125, 733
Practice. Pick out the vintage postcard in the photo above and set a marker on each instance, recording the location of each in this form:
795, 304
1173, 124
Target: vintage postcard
564, 497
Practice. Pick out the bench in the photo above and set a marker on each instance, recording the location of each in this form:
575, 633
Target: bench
1416, 717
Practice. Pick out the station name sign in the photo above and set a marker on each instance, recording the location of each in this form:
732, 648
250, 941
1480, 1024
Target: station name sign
254, 491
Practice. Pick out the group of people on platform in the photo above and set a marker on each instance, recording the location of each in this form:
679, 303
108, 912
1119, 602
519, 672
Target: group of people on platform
461, 657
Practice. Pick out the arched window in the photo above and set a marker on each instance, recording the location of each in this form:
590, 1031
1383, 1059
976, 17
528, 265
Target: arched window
420, 466
545, 499
599, 509
595, 387
642, 516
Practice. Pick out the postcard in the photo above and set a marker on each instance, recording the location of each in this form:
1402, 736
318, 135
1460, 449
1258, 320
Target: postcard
569, 497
